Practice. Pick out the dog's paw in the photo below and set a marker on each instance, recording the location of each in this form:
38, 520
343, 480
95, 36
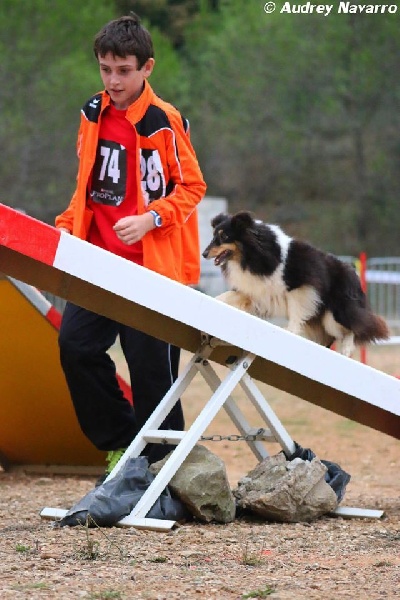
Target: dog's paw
213, 342
346, 345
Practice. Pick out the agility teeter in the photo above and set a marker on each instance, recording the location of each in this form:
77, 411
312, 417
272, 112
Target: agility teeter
75, 270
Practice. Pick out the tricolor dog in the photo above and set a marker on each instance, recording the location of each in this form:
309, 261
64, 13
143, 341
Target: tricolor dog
273, 275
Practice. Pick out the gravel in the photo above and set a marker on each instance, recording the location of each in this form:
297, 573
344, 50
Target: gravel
329, 558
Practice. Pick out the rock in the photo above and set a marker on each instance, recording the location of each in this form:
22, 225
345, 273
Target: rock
289, 491
201, 483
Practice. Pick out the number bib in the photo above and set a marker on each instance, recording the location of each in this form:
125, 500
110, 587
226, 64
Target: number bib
152, 175
109, 174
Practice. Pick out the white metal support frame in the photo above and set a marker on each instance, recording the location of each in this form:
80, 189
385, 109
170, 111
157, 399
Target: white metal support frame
186, 440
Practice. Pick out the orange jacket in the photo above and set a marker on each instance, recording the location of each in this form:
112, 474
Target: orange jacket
169, 182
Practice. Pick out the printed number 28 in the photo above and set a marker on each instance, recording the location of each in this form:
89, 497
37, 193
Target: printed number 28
150, 175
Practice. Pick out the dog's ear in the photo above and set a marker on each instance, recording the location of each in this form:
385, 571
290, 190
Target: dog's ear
218, 219
242, 220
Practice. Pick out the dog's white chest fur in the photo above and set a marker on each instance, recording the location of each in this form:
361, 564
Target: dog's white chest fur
268, 294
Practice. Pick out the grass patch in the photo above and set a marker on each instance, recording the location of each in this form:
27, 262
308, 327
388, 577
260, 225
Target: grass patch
262, 593
105, 595
39, 585
91, 550
250, 558
22, 548
158, 559
383, 563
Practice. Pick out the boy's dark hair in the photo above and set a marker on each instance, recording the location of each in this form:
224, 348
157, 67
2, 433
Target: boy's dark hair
123, 37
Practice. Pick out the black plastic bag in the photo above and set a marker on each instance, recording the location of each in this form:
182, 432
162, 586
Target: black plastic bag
115, 499
335, 476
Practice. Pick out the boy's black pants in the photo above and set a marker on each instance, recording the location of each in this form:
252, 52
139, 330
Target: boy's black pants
106, 417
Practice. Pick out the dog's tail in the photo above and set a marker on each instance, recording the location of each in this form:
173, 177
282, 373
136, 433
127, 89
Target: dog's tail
369, 327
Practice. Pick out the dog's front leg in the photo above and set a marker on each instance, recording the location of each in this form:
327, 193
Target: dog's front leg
296, 327
237, 300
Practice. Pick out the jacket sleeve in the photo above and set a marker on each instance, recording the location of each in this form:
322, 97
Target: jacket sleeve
184, 174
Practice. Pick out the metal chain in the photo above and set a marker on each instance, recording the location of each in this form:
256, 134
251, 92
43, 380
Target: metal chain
234, 437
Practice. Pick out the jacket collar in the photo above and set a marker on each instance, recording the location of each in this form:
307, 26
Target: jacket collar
138, 108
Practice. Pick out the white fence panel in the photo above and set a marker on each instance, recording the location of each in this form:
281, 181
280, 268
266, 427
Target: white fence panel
383, 285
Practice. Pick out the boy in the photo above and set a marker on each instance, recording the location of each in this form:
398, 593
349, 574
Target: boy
137, 189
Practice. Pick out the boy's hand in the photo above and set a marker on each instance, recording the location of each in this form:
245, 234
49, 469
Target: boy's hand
131, 229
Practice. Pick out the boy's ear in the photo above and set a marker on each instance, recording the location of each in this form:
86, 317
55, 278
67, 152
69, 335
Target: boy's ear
148, 67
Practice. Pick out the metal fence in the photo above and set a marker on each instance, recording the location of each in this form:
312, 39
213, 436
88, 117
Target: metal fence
383, 288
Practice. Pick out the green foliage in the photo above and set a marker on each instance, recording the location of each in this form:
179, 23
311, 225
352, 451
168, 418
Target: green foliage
48, 71
292, 116
167, 79
171, 17
296, 117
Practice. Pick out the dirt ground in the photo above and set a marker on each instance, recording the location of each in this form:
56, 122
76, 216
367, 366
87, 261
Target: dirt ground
329, 558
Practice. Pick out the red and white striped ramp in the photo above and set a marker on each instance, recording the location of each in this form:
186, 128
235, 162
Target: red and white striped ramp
70, 268
38, 427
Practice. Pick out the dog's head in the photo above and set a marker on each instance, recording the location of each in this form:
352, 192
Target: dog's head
229, 231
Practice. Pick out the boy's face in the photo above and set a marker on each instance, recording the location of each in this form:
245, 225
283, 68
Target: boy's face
122, 79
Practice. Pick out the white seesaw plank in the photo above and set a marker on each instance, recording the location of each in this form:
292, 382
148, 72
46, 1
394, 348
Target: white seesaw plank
98, 280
